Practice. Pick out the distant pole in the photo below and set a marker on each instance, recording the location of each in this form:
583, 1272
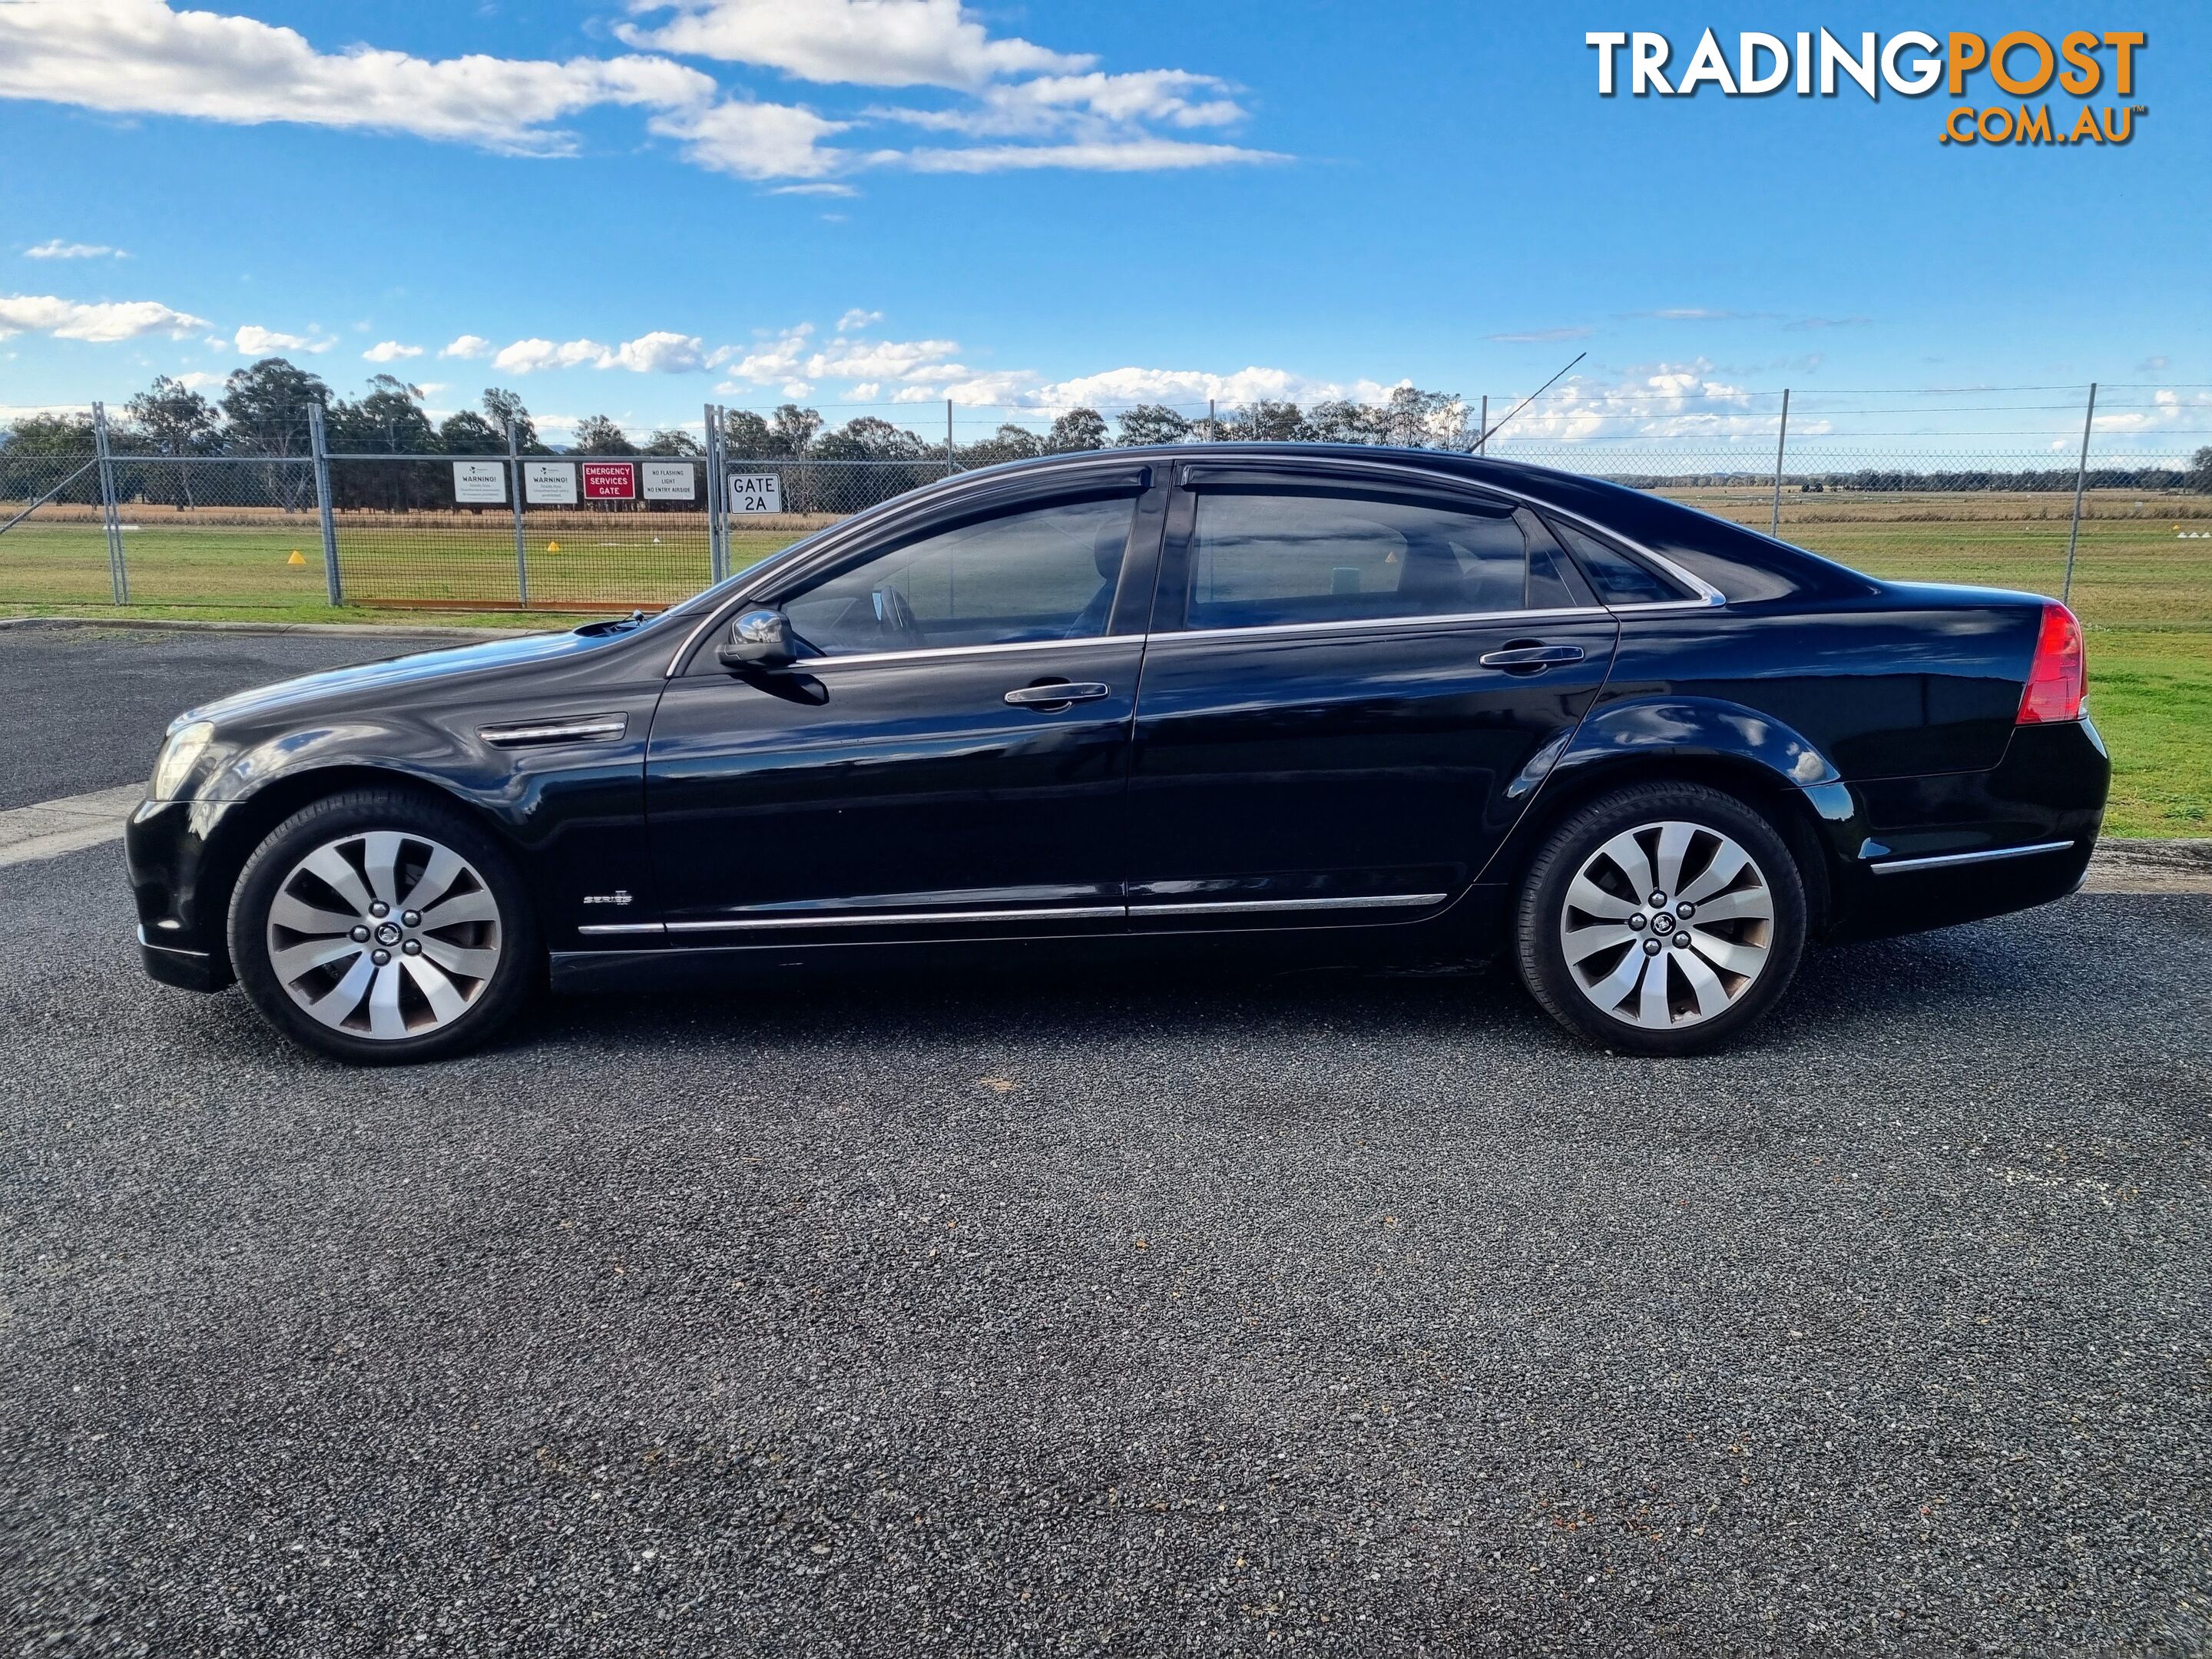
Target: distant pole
1781, 438
1482, 428
717, 552
318, 443
2080, 478
118, 573
948, 437
521, 546
1212, 433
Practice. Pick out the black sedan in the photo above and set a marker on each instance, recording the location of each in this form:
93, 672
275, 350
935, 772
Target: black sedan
1314, 701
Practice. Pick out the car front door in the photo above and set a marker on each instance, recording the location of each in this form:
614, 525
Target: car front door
1348, 696
950, 755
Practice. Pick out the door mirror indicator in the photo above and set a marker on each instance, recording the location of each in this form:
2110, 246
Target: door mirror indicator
759, 639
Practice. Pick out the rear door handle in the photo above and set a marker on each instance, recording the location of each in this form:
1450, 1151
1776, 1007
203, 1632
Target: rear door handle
1056, 693
1532, 656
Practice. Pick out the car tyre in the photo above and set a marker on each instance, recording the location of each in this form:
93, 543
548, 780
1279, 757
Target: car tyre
381, 928
1662, 919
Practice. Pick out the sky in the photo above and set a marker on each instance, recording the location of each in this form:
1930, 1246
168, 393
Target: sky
873, 206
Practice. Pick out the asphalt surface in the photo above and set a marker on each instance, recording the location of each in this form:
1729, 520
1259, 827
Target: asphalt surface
1327, 1313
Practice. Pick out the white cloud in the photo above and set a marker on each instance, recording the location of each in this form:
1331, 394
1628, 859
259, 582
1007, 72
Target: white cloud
1102, 103
777, 359
890, 360
194, 379
858, 319
467, 346
2165, 410
754, 141
866, 392
255, 340
142, 57
391, 351
870, 43
1110, 155
1680, 401
57, 249
815, 190
101, 321
658, 353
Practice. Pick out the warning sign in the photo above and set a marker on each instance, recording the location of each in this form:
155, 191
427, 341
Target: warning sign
669, 481
548, 483
756, 492
480, 482
609, 481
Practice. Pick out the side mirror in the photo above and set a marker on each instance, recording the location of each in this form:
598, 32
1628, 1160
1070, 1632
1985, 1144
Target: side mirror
759, 640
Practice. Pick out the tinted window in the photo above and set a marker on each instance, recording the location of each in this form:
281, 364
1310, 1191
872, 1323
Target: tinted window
1261, 559
1044, 574
1618, 579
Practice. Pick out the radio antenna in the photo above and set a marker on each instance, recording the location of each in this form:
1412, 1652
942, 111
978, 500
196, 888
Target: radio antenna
1483, 442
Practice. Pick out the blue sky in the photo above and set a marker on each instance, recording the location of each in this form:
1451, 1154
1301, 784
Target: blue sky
632, 209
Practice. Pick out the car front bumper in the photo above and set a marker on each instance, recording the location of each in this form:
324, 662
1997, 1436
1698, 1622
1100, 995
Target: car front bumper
180, 936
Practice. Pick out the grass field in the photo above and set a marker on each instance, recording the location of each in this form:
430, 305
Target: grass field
2143, 586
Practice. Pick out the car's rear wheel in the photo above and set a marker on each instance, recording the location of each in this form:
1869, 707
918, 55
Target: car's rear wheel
1661, 919
377, 926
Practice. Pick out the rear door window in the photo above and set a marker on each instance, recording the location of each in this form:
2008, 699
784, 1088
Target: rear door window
1260, 559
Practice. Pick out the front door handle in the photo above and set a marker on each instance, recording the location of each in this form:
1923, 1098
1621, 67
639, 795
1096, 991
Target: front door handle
1056, 693
1532, 656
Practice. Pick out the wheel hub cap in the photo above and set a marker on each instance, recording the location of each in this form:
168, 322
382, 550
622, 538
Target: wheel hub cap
1667, 924
384, 934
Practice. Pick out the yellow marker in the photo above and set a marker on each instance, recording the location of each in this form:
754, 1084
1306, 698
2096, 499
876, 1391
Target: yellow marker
298, 557
552, 547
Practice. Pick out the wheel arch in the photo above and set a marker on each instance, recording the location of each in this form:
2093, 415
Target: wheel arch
1768, 767
249, 821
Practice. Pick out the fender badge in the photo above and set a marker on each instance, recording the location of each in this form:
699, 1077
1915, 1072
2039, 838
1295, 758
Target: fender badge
618, 897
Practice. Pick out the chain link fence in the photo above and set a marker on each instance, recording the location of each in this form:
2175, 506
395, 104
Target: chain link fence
2127, 536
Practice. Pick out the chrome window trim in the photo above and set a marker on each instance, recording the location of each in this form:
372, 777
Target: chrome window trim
1945, 860
1252, 906
622, 927
809, 664
1555, 614
898, 918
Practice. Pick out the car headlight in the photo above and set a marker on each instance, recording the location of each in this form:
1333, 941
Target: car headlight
178, 756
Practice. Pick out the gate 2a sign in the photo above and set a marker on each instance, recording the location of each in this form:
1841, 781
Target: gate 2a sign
756, 493
609, 481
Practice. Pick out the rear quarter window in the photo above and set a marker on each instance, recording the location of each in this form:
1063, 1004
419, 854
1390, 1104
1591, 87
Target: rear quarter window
1618, 579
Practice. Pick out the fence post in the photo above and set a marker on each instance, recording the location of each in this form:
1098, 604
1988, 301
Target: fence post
1482, 430
718, 529
118, 572
948, 437
1781, 438
319, 445
521, 546
2080, 478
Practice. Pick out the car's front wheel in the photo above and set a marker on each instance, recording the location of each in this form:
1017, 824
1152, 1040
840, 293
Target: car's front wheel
1661, 919
378, 927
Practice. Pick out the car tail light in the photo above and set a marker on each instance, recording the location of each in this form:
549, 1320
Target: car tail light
2058, 678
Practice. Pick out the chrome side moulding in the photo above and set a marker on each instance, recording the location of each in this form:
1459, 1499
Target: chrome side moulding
1945, 860
1261, 907
585, 728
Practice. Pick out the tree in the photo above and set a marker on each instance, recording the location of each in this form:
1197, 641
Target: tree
266, 405
1275, 422
464, 432
1008, 443
866, 438
505, 408
598, 434
793, 429
43, 450
1079, 429
747, 436
2200, 470
388, 420
671, 441
1152, 423
1339, 420
172, 419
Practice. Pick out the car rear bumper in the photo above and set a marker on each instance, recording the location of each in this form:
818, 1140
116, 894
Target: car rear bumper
1963, 846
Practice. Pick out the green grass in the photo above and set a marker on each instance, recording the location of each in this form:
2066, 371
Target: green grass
2143, 592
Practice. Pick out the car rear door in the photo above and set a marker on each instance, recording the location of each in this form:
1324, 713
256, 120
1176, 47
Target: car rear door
1349, 694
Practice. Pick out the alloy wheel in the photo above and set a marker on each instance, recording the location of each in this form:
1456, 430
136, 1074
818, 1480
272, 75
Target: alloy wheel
1667, 925
384, 934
